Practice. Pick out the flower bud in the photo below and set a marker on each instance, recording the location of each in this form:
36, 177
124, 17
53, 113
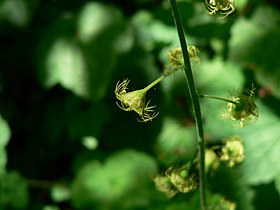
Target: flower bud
222, 7
232, 152
164, 185
176, 59
181, 179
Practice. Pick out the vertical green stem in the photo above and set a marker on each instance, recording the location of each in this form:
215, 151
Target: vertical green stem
195, 103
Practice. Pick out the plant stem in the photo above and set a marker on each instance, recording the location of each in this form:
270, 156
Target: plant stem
195, 103
154, 83
218, 98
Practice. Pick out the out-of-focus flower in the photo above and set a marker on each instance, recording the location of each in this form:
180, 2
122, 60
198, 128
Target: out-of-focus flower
176, 179
181, 179
176, 59
232, 152
222, 7
242, 109
164, 185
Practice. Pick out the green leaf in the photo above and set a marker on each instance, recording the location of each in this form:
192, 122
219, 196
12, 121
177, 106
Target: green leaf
79, 53
255, 42
65, 65
277, 184
119, 177
175, 142
217, 77
13, 191
104, 17
60, 193
3, 161
5, 135
262, 146
152, 33
15, 11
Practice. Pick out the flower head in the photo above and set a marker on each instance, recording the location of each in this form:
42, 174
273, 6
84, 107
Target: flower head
176, 59
223, 7
134, 101
232, 152
181, 178
176, 179
164, 185
243, 109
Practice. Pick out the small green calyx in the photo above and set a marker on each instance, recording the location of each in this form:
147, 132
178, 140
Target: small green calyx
134, 101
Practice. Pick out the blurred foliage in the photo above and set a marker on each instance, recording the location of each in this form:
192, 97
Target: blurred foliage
64, 144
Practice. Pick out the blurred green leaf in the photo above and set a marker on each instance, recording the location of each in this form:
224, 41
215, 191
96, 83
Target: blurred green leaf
90, 142
227, 181
262, 146
13, 191
217, 77
15, 11
115, 180
80, 52
94, 19
65, 65
277, 184
5, 135
175, 142
152, 33
51, 207
60, 193
3, 161
5, 132
103, 17
255, 42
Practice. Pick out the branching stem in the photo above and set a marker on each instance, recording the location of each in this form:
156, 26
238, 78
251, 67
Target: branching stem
195, 103
218, 98
154, 83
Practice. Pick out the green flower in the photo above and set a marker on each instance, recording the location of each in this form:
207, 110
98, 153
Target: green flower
164, 185
242, 109
176, 180
134, 101
181, 179
223, 7
176, 59
232, 152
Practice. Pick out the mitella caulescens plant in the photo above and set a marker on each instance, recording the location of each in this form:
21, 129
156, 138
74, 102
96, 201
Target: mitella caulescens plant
241, 109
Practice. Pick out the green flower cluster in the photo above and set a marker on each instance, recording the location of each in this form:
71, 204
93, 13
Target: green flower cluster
176, 180
136, 100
